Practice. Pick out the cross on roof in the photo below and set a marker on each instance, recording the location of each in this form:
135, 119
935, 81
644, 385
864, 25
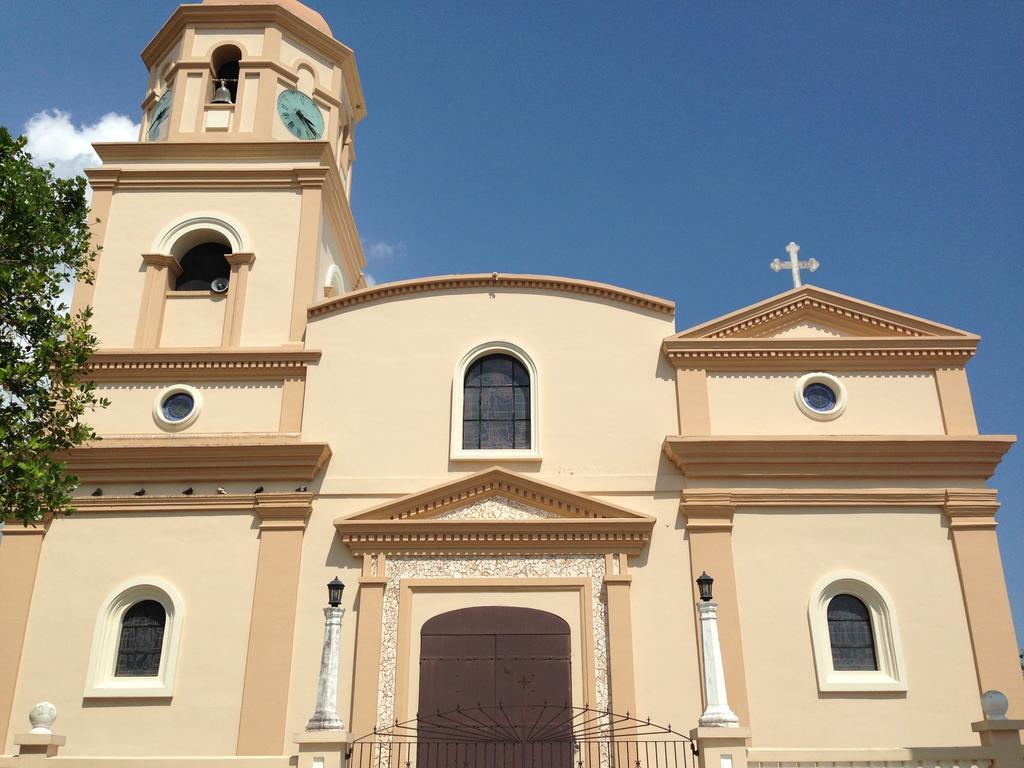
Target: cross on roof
794, 264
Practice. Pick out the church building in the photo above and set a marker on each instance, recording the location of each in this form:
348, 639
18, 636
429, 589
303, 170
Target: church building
486, 520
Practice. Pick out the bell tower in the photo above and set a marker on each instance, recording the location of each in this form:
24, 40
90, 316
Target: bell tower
230, 215
217, 230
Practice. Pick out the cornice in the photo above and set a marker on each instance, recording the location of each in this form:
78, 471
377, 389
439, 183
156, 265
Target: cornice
496, 481
17, 528
698, 501
971, 509
267, 506
202, 364
163, 261
286, 151
257, 16
427, 537
214, 458
822, 304
491, 281
835, 353
837, 456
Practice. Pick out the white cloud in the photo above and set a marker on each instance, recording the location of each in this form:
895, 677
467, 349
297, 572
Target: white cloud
384, 250
53, 138
370, 279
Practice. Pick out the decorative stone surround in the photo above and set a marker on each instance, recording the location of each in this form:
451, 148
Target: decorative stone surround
500, 567
492, 281
496, 508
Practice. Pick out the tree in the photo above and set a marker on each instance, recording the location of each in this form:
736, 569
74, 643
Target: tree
44, 244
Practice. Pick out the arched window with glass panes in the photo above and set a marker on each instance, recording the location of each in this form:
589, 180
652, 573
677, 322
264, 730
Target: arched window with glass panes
850, 634
496, 404
141, 640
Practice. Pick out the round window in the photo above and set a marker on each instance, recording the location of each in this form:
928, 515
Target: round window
820, 396
177, 406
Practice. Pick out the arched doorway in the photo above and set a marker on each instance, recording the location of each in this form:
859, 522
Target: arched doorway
510, 661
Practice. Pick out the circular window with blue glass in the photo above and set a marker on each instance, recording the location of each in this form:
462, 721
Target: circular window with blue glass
177, 407
820, 396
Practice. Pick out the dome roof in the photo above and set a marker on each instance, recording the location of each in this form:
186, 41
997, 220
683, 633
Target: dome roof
294, 7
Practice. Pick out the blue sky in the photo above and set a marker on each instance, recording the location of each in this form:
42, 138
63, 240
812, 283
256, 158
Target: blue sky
673, 148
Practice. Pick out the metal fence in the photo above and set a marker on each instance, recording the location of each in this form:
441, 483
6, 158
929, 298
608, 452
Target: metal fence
523, 737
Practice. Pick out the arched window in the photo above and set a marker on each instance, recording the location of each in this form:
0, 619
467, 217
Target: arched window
850, 635
496, 404
224, 64
201, 265
855, 636
135, 645
142, 640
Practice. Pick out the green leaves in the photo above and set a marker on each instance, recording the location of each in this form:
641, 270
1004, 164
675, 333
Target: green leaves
44, 246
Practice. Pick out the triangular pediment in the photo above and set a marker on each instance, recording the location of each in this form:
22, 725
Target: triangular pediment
810, 312
495, 510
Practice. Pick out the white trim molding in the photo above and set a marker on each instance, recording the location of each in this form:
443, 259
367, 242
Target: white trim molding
457, 452
101, 681
828, 380
188, 232
177, 426
890, 675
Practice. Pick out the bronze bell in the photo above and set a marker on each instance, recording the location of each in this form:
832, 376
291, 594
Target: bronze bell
223, 95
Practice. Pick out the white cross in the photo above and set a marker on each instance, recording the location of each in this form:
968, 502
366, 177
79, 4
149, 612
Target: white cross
794, 263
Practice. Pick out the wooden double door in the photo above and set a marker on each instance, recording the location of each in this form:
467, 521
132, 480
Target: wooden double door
495, 682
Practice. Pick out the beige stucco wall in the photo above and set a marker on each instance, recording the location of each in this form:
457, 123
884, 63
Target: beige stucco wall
781, 555
268, 223
879, 403
227, 407
211, 561
382, 393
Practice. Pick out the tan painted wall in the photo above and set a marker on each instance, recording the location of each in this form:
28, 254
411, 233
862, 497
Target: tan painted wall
909, 554
294, 53
268, 222
227, 407
877, 404
193, 321
387, 367
211, 561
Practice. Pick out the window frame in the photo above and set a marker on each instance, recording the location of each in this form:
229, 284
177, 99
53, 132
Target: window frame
890, 675
496, 347
101, 681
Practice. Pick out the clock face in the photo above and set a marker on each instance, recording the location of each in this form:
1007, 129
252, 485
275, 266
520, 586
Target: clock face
300, 115
159, 116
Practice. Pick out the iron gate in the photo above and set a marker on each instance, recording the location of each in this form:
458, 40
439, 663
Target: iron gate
541, 736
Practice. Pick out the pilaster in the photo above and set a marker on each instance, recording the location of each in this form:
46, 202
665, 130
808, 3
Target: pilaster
261, 728
159, 268
620, 635
311, 181
972, 525
369, 628
709, 532
19, 561
241, 264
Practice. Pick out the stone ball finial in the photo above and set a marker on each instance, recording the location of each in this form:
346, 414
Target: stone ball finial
994, 704
42, 716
